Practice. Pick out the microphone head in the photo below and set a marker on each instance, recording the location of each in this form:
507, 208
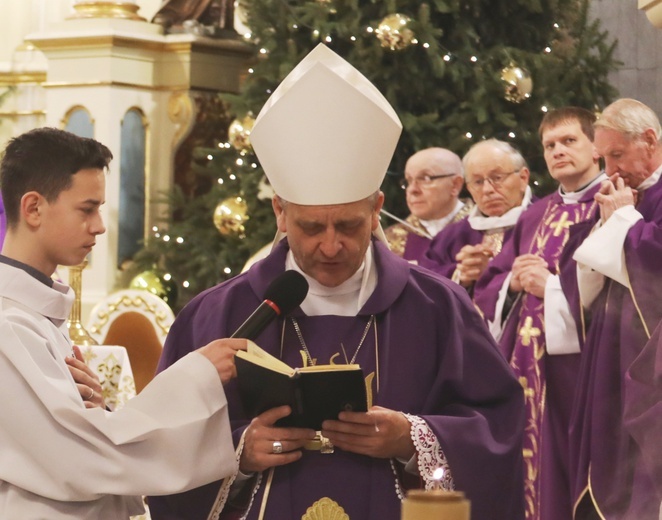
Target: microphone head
287, 291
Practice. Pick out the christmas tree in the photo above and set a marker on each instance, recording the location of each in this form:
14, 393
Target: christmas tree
456, 71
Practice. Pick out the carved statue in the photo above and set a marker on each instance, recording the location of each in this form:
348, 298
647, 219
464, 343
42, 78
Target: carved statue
215, 16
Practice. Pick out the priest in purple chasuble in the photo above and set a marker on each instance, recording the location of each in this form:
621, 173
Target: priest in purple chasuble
525, 300
619, 276
497, 179
432, 183
643, 407
444, 397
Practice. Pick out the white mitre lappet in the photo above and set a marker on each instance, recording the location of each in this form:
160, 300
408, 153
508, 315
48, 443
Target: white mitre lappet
326, 135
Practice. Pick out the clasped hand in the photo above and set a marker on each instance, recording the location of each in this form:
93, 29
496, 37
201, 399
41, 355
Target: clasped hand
529, 274
380, 433
472, 260
614, 194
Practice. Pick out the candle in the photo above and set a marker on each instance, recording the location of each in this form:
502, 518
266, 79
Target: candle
435, 504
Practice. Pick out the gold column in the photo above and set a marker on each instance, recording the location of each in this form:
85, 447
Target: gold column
79, 336
106, 9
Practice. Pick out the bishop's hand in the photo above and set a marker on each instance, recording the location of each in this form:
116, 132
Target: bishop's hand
380, 433
267, 445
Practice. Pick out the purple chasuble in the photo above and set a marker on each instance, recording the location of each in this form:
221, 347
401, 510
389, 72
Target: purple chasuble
643, 407
607, 467
440, 256
548, 380
432, 357
415, 247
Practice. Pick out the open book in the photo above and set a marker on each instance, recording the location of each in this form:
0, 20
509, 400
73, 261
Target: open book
315, 393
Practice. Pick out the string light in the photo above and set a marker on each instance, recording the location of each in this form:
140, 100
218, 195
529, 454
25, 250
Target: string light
227, 270
543, 108
180, 240
166, 238
210, 157
185, 284
468, 135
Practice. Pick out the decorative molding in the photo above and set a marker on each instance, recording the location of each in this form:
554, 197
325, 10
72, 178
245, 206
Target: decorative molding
81, 84
105, 9
653, 10
22, 78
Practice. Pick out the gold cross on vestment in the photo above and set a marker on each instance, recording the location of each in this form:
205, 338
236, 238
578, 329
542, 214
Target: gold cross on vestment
528, 331
561, 224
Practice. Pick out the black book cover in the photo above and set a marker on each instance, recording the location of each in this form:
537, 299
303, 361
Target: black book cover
315, 393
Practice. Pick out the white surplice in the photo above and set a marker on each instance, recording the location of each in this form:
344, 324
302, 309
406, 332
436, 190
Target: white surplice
60, 460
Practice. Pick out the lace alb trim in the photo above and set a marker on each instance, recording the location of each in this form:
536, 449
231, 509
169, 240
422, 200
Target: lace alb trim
226, 486
430, 456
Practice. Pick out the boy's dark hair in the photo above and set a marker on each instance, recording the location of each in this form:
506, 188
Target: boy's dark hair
44, 160
584, 117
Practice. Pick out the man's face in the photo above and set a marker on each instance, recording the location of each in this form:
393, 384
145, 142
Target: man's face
69, 225
494, 183
430, 198
329, 242
630, 157
570, 155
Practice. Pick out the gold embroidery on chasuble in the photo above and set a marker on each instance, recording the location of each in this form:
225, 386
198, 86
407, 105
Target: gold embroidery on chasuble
397, 234
493, 240
325, 509
548, 242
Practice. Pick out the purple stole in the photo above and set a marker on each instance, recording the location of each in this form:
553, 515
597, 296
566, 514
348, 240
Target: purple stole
527, 356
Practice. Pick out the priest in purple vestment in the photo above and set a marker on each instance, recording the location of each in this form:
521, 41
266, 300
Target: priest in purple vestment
432, 183
497, 178
526, 300
620, 279
444, 397
643, 407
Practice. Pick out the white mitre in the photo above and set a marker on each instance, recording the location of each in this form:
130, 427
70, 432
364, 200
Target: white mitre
326, 135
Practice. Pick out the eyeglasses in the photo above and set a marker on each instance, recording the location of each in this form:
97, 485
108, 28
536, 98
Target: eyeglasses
495, 180
424, 181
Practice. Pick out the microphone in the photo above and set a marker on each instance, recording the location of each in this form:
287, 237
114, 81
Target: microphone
284, 294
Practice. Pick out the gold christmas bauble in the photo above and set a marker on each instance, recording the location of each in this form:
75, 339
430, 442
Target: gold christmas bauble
239, 133
230, 216
517, 83
393, 32
152, 281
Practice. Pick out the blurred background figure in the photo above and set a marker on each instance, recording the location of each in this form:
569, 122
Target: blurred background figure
497, 178
205, 17
433, 181
3, 223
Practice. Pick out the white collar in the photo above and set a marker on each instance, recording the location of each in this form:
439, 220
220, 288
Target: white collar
652, 180
573, 197
343, 300
434, 226
480, 222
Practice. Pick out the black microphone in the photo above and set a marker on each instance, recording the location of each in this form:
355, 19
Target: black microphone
283, 295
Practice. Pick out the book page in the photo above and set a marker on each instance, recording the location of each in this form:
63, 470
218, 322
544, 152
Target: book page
256, 355
328, 368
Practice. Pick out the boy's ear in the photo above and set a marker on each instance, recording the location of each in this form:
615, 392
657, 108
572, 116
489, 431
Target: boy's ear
31, 207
